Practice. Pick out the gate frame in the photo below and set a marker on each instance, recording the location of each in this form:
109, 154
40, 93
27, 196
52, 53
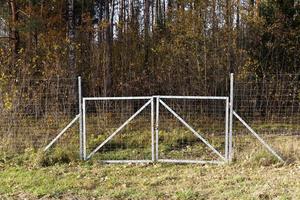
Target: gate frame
224, 158
149, 101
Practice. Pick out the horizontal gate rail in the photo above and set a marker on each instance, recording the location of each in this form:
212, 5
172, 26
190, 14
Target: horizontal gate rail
194, 97
125, 161
190, 161
116, 98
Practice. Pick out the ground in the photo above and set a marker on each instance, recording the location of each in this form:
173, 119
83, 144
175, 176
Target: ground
58, 174
154, 181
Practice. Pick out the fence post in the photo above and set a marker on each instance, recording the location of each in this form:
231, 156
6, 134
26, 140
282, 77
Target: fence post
152, 130
226, 129
84, 129
157, 128
230, 149
80, 119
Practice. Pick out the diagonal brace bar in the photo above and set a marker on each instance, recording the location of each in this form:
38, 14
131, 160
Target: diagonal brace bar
62, 132
189, 127
257, 136
120, 128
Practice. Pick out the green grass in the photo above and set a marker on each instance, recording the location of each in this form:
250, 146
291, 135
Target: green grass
58, 174
178, 143
155, 181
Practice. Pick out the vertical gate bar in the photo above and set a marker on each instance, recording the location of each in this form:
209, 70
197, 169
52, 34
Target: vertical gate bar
80, 118
226, 130
84, 130
230, 150
152, 130
157, 127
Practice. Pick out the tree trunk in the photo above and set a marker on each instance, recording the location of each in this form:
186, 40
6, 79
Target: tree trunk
230, 53
214, 31
238, 43
147, 27
14, 30
107, 65
205, 48
71, 38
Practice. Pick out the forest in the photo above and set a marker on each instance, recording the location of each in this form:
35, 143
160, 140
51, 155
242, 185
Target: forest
133, 47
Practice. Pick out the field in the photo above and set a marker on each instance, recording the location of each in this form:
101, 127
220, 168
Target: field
254, 174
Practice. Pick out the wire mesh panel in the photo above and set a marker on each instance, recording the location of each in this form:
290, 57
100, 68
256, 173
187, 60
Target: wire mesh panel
34, 110
271, 106
192, 129
119, 129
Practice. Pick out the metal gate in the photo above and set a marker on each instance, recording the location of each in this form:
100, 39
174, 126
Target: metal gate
223, 151
180, 147
117, 104
155, 141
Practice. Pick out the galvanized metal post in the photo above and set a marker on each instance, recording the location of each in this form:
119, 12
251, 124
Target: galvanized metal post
152, 130
83, 131
80, 119
230, 149
157, 128
226, 129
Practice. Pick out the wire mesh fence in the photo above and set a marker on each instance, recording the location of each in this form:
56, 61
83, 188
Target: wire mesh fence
271, 105
207, 117
33, 111
105, 118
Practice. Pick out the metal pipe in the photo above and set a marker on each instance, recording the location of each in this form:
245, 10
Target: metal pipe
194, 97
230, 143
190, 161
84, 129
152, 130
157, 128
80, 119
62, 132
125, 161
116, 98
258, 137
226, 130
